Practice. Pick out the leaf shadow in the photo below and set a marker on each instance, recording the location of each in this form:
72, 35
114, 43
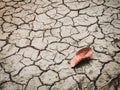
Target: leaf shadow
84, 62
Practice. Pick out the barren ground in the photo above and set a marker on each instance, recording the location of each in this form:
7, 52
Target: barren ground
38, 38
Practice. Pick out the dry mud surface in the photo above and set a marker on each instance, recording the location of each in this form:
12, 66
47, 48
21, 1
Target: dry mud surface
38, 38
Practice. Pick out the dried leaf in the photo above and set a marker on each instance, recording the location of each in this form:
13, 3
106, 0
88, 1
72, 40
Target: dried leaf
81, 55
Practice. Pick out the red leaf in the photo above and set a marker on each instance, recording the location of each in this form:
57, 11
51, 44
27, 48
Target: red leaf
81, 55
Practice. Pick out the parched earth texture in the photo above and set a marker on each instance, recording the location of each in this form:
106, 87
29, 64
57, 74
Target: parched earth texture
38, 38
